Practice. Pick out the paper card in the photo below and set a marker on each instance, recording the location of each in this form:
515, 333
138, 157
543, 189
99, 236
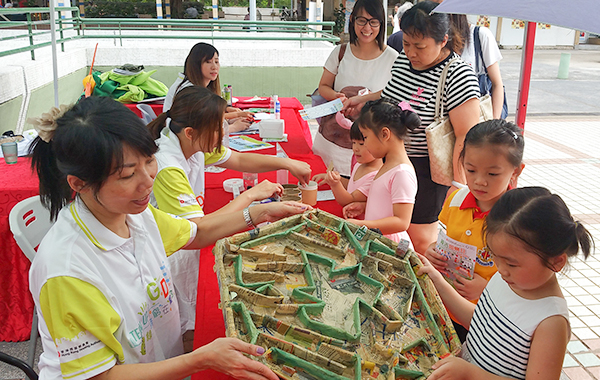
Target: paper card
246, 144
461, 257
322, 110
325, 195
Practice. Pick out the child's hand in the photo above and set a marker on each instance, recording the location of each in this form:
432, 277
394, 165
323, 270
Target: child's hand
319, 178
356, 221
354, 209
470, 289
264, 190
332, 178
453, 368
428, 268
438, 261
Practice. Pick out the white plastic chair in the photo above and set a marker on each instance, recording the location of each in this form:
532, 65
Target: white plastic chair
29, 222
147, 112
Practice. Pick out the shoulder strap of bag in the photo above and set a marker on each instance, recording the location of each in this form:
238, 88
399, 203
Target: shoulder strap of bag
439, 105
341, 53
478, 51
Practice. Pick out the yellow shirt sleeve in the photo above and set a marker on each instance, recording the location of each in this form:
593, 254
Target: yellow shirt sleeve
85, 341
174, 194
176, 233
217, 157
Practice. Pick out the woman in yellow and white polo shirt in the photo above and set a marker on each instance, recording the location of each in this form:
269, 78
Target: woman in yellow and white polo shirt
183, 134
100, 279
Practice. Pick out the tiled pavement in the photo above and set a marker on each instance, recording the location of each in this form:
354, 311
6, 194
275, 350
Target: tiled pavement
562, 154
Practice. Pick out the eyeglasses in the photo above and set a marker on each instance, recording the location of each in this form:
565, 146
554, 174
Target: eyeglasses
362, 21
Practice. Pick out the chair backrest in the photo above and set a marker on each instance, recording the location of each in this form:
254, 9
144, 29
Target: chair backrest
29, 222
147, 113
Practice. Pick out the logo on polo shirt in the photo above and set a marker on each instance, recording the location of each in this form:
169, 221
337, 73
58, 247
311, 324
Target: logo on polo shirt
187, 200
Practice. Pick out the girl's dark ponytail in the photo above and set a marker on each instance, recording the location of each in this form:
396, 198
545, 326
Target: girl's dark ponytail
157, 125
583, 239
410, 119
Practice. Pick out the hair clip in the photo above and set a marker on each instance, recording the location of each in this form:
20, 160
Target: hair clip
45, 125
514, 134
404, 106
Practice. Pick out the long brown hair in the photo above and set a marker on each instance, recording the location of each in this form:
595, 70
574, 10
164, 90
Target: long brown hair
198, 108
192, 71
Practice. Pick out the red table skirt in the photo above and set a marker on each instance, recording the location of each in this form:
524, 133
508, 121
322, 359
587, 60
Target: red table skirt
209, 318
17, 182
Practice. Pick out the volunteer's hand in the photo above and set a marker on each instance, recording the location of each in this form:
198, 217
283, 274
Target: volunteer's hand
226, 355
273, 211
238, 124
300, 170
264, 190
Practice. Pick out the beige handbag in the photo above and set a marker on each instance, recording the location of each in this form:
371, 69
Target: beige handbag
440, 134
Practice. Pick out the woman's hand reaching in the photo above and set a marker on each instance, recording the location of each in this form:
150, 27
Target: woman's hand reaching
264, 190
238, 124
227, 355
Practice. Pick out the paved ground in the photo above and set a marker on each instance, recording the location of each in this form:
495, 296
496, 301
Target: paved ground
562, 137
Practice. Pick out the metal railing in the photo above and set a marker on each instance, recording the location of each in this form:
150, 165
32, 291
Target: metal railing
71, 26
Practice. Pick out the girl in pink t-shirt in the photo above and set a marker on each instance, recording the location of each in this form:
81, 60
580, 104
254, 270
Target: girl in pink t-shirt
363, 172
391, 197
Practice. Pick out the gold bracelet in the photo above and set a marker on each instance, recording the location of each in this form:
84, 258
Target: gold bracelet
248, 219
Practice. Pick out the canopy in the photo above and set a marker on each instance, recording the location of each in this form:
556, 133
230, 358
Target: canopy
575, 14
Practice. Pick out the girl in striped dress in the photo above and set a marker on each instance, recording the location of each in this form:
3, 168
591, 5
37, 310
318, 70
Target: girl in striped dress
519, 329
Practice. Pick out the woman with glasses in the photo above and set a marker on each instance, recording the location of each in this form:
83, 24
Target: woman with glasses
366, 62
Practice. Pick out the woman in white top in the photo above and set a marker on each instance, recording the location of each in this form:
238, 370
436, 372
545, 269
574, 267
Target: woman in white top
490, 53
100, 282
366, 62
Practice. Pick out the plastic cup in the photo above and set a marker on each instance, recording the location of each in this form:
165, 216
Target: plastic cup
250, 180
10, 152
309, 193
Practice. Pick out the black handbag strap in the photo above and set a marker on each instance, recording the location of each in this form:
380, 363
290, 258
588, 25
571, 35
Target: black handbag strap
478, 52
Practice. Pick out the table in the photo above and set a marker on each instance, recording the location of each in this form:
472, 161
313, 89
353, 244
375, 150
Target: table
209, 318
17, 182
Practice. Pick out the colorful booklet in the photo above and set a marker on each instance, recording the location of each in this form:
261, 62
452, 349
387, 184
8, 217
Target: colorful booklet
247, 144
461, 257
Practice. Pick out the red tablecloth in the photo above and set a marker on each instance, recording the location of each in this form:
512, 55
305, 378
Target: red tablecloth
16, 305
209, 318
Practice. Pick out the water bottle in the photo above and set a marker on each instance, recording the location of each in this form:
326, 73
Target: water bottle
277, 108
230, 90
272, 105
227, 94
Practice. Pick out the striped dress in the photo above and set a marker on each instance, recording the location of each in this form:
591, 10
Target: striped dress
502, 327
418, 87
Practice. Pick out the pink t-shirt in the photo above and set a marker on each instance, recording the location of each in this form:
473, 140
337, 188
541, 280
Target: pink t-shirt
397, 185
363, 184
